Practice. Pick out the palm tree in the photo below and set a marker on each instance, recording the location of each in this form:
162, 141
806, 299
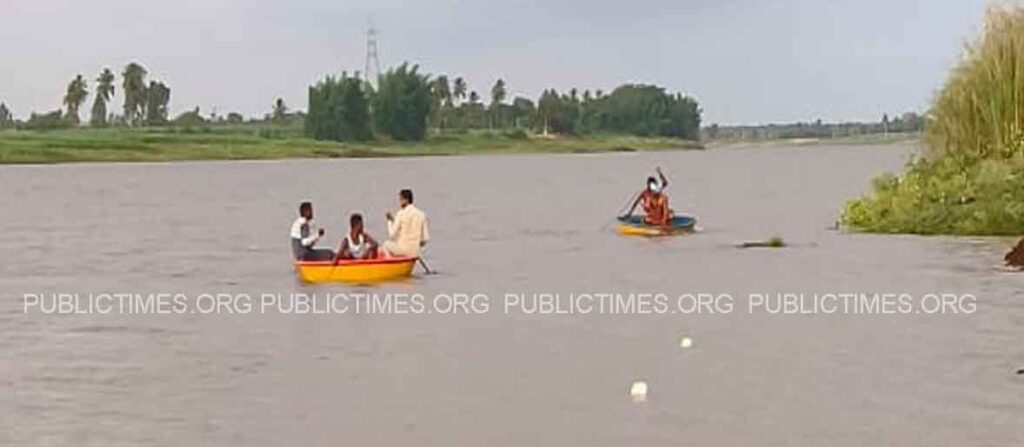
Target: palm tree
442, 99
74, 97
158, 95
498, 94
459, 89
442, 90
5, 116
133, 84
104, 91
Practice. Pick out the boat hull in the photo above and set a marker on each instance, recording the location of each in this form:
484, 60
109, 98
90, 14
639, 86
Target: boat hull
354, 271
635, 226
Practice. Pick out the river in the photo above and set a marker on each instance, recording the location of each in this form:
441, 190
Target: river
501, 376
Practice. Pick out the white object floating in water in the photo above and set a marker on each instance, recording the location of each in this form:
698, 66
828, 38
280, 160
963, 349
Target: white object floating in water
685, 343
638, 391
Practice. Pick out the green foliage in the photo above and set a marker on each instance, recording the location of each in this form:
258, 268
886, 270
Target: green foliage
133, 85
498, 94
980, 112
104, 91
47, 121
339, 110
6, 118
402, 103
646, 110
260, 140
74, 97
158, 96
522, 112
903, 126
944, 197
441, 101
459, 89
516, 134
972, 178
190, 119
640, 110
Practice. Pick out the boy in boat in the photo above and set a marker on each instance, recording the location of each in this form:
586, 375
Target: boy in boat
407, 229
655, 201
357, 245
305, 233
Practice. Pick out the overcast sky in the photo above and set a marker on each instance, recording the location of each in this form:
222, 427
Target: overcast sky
746, 61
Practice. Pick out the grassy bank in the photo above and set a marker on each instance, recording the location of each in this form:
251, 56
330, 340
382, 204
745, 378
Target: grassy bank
970, 179
250, 143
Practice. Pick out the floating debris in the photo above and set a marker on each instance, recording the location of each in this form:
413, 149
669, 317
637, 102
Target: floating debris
638, 391
1020, 371
773, 242
686, 343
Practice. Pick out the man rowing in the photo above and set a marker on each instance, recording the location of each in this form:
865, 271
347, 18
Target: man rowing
407, 229
655, 202
305, 233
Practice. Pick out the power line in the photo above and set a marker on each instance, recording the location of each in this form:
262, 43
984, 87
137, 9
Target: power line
372, 59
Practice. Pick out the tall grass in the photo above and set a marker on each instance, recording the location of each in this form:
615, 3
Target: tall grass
971, 178
979, 112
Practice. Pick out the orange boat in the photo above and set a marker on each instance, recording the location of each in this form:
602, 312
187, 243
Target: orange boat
355, 270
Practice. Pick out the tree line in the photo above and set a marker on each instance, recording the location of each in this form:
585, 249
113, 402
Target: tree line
144, 104
405, 104
909, 122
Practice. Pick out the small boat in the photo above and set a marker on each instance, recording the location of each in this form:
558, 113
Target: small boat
355, 270
635, 226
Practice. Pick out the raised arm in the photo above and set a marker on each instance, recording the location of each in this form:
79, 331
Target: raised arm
664, 181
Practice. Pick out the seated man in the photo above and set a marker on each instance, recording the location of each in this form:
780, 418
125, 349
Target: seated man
407, 229
357, 245
655, 202
304, 235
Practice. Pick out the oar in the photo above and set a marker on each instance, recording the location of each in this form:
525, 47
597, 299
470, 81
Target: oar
618, 214
426, 268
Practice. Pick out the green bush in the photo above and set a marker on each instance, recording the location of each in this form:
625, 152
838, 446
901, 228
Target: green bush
47, 121
402, 103
971, 178
516, 134
339, 110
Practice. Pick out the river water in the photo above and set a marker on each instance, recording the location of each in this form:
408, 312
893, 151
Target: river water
500, 376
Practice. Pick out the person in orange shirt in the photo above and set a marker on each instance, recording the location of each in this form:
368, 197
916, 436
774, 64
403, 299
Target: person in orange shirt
655, 201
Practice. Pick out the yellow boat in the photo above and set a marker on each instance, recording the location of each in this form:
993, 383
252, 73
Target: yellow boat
635, 226
355, 270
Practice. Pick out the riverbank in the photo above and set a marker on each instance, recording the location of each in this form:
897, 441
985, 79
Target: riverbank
859, 140
969, 180
249, 143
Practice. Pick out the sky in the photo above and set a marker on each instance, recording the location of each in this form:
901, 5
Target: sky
745, 61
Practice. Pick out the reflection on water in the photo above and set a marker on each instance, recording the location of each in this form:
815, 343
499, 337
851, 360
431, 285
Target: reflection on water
524, 225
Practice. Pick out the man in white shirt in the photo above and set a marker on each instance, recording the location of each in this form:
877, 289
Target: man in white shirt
407, 229
305, 233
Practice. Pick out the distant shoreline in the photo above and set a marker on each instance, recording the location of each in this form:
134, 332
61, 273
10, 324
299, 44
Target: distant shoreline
865, 140
169, 144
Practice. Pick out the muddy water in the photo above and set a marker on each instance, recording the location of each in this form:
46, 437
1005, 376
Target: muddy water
524, 225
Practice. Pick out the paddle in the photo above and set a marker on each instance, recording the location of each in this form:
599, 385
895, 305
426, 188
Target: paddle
426, 268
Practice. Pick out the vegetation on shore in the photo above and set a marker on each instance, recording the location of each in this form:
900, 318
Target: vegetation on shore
405, 113
252, 142
908, 124
970, 179
405, 104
